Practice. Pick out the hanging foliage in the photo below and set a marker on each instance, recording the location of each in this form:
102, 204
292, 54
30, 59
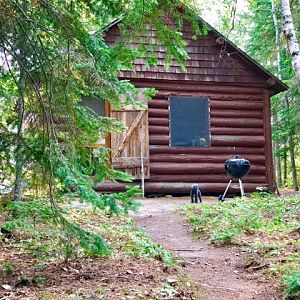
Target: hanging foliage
52, 54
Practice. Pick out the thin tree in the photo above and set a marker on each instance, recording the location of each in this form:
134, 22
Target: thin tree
294, 50
290, 35
291, 144
21, 45
275, 116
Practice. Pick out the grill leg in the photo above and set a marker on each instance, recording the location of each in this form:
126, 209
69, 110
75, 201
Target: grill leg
223, 197
241, 188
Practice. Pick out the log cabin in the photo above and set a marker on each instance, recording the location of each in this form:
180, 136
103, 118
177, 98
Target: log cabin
216, 108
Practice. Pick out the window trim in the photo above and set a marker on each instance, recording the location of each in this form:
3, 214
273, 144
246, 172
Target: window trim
204, 97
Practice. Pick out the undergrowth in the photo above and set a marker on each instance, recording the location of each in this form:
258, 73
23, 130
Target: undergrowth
35, 230
121, 234
36, 249
43, 226
266, 225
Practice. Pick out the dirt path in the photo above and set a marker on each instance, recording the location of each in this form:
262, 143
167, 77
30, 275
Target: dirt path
217, 269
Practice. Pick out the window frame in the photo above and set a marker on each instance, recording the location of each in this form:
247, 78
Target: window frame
186, 98
105, 141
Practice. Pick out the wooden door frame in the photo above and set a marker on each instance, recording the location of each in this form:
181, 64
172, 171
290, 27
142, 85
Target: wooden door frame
107, 108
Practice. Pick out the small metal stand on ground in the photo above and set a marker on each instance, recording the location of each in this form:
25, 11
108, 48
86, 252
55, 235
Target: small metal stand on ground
222, 197
236, 168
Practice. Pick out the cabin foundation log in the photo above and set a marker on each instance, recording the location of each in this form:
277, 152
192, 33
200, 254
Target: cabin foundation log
176, 187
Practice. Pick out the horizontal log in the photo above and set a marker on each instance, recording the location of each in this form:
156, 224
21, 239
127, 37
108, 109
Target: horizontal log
196, 168
215, 104
236, 140
159, 103
224, 113
158, 139
129, 162
248, 105
236, 131
158, 121
159, 130
216, 140
205, 178
237, 122
158, 113
111, 187
209, 150
165, 130
176, 187
202, 158
201, 87
228, 126
212, 95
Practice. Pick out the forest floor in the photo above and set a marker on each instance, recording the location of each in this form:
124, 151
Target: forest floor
218, 269
32, 264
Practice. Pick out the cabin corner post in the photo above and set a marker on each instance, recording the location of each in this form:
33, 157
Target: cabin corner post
268, 141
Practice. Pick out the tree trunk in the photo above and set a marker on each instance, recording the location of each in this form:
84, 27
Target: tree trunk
293, 163
19, 155
290, 35
291, 145
277, 38
284, 168
275, 119
19, 148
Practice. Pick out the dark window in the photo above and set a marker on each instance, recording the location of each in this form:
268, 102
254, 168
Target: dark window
95, 104
189, 122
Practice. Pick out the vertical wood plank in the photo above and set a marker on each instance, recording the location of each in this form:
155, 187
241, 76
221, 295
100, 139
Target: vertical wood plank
107, 114
128, 146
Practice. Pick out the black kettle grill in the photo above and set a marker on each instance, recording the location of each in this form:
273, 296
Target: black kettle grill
236, 168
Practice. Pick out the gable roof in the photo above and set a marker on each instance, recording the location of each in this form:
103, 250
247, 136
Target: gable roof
273, 81
267, 79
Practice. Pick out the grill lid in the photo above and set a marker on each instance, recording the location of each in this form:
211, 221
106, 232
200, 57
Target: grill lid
237, 167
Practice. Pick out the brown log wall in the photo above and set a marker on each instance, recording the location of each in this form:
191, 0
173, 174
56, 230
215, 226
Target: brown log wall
236, 126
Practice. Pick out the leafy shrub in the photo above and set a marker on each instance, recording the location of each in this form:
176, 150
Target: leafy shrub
224, 236
269, 226
292, 281
244, 215
139, 245
7, 268
47, 232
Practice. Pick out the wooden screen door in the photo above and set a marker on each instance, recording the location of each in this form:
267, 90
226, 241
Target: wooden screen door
130, 148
